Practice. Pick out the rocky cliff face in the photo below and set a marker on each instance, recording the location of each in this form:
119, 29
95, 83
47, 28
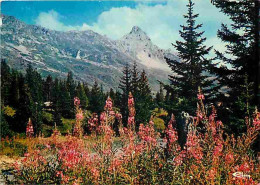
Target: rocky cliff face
89, 55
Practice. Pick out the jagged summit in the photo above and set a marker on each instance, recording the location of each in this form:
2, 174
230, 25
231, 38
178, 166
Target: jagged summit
136, 29
136, 34
139, 45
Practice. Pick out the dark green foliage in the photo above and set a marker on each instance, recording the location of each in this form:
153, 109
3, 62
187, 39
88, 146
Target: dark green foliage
35, 86
138, 85
159, 98
80, 93
144, 101
242, 53
56, 102
97, 99
125, 87
48, 85
193, 70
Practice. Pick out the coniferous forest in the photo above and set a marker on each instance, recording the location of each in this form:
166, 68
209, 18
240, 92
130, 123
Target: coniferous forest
201, 127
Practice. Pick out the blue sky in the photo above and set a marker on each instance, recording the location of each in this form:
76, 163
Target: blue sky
161, 20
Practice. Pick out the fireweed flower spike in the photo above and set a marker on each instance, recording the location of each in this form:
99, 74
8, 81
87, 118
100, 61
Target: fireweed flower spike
77, 130
29, 129
109, 104
131, 109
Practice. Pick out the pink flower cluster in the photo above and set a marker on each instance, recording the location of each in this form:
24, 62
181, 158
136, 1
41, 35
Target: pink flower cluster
79, 115
193, 147
109, 104
77, 129
29, 129
148, 135
76, 101
200, 95
131, 109
93, 122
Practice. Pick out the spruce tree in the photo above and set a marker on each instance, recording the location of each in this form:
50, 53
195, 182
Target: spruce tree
112, 94
125, 87
71, 87
5, 82
134, 80
48, 85
35, 85
159, 98
80, 92
242, 39
242, 56
194, 68
143, 103
66, 109
96, 99
56, 102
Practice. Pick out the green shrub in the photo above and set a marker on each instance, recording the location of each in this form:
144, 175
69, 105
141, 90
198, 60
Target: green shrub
159, 124
47, 130
66, 126
47, 117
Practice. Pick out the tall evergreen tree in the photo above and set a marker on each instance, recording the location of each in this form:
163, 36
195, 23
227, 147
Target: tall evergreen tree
134, 80
35, 85
97, 99
71, 87
56, 102
125, 87
86, 88
66, 109
80, 92
242, 77
193, 69
143, 103
242, 49
159, 98
48, 85
5, 82
23, 111
112, 94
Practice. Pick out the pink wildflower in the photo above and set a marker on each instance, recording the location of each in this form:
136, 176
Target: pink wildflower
229, 158
29, 129
79, 115
109, 104
76, 101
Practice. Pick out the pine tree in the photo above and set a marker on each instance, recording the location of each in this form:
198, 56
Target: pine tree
66, 109
80, 92
96, 99
193, 69
159, 98
86, 88
48, 85
125, 87
35, 85
56, 102
112, 94
5, 82
134, 80
242, 39
71, 87
242, 54
143, 103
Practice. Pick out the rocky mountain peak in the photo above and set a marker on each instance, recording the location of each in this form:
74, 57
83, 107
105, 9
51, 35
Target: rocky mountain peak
136, 29
137, 34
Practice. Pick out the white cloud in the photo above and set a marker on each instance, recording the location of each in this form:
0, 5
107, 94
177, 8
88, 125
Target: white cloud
161, 22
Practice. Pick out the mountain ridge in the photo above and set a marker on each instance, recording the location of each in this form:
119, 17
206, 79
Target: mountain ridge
89, 55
